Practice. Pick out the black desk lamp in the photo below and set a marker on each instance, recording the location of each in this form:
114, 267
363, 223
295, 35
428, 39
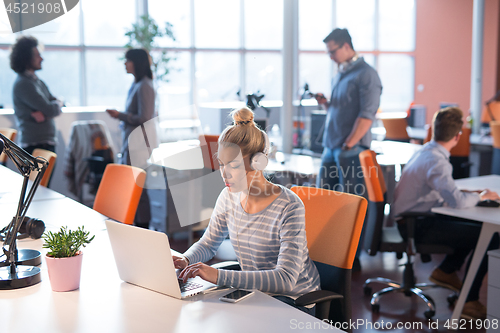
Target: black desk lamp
17, 267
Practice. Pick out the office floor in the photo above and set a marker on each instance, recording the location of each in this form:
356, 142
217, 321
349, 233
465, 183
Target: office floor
394, 308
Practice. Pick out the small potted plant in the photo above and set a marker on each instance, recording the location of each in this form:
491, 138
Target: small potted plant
64, 258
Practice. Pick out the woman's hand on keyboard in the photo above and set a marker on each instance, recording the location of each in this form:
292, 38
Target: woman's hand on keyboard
202, 270
180, 262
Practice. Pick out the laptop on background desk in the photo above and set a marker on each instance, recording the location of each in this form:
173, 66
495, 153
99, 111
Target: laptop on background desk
143, 258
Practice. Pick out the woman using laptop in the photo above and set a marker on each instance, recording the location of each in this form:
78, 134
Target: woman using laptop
265, 222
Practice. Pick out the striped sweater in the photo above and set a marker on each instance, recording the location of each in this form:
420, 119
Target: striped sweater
274, 257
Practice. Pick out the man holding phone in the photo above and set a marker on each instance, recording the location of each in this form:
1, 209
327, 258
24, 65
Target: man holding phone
354, 101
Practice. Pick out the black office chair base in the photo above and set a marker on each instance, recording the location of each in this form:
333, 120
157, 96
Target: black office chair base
415, 291
408, 287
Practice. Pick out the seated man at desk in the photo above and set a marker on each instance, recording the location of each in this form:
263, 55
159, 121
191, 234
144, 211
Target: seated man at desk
265, 223
427, 182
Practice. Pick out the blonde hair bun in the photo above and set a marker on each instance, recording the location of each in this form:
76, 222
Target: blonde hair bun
243, 116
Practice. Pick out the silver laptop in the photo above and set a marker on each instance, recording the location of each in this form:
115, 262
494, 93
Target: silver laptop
143, 258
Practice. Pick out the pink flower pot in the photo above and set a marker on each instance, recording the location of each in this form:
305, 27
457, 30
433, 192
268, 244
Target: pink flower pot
64, 273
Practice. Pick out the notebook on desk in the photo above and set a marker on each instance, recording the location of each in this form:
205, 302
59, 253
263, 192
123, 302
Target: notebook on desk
143, 258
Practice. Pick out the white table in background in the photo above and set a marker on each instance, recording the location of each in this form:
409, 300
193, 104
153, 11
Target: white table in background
491, 224
11, 183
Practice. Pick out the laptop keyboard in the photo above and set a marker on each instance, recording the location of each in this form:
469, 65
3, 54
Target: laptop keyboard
188, 286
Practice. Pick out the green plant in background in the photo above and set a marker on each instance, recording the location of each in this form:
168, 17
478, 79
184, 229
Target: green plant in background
65, 243
144, 34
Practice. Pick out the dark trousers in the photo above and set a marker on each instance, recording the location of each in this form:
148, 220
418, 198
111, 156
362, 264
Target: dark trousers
45, 146
143, 213
461, 235
341, 171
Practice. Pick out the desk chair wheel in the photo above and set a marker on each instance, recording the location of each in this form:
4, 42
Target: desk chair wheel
375, 308
367, 291
452, 298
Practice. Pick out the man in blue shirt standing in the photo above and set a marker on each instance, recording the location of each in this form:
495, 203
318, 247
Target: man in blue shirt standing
354, 101
427, 182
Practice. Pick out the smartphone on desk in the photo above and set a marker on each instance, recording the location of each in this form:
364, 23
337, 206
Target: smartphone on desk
236, 296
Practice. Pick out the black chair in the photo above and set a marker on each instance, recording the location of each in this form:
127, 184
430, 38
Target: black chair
97, 163
388, 239
333, 226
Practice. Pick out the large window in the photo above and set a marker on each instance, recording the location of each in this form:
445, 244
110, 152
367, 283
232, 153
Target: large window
106, 21
222, 47
382, 31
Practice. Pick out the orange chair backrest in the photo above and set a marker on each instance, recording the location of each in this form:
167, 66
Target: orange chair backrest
333, 224
395, 128
374, 178
495, 133
209, 147
49, 157
492, 109
462, 148
119, 192
10, 134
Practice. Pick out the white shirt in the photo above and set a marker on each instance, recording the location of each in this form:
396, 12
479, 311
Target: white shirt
427, 182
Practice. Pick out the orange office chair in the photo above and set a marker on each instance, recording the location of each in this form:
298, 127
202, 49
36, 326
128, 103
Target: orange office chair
119, 192
395, 129
49, 157
209, 147
459, 155
491, 112
388, 239
10, 134
495, 133
334, 221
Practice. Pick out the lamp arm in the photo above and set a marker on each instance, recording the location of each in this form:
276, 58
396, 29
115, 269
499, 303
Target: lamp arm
26, 164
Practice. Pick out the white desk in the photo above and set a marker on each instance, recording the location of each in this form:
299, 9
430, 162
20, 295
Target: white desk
475, 139
491, 224
302, 169
106, 304
388, 153
11, 185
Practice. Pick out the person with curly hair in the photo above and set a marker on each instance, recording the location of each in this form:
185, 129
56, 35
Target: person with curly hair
34, 106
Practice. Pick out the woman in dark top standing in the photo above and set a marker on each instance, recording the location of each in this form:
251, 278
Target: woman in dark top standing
139, 108
140, 105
